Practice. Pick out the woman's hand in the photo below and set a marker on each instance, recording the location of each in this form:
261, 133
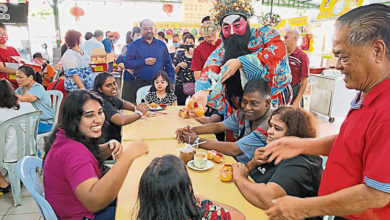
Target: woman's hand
143, 107
239, 171
116, 148
182, 65
137, 149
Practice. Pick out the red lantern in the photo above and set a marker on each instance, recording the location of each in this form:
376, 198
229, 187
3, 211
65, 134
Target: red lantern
77, 12
168, 9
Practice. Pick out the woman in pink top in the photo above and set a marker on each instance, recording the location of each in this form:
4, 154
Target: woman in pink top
73, 181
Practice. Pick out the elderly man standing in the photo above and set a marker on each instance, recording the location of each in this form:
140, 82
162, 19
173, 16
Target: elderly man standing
146, 56
356, 181
299, 66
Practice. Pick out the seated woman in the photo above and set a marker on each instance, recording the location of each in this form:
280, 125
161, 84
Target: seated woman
9, 108
74, 182
166, 178
160, 92
30, 90
107, 88
299, 176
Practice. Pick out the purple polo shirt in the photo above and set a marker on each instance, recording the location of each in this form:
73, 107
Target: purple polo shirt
299, 65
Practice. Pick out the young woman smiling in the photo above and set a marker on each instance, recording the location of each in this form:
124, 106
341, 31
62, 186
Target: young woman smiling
107, 88
74, 182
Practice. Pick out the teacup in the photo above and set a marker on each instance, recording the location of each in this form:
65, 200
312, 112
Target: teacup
200, 160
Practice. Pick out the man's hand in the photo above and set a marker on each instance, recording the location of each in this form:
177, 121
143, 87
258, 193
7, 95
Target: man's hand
230, 67
188, 137
283, 148
287, 207
179, 132
121, 66
258, 157
239, 171
150, 61
296, 103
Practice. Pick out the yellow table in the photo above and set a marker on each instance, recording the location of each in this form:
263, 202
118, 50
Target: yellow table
159, 127
205, 183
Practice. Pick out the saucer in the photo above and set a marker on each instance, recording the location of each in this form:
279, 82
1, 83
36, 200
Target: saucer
191, 165
159, 108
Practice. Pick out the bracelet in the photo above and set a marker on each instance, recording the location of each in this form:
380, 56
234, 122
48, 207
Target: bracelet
139, 113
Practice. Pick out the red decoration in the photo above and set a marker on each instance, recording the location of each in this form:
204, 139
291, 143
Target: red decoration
27, 2
168, 9
8, 1
77, 12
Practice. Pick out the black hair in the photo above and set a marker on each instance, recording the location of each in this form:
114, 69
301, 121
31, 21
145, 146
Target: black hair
37, 55
88, 35
258, 85
165, 191
29, 71
207, 18
165, 76
8, 98
136, 30
189, 35
129, 37
200, 38
71, 113
107, 33
100, 79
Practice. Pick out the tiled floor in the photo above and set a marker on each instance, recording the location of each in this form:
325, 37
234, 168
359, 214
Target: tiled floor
29, 210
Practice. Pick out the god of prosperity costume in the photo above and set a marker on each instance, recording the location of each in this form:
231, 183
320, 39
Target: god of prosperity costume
266, 58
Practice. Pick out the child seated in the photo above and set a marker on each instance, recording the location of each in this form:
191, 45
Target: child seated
160, 92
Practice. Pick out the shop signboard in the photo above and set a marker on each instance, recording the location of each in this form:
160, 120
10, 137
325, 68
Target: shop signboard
11, 13
336, 8
194, 10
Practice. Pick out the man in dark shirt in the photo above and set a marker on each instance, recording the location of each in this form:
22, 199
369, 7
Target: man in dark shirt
146, 56
299, 65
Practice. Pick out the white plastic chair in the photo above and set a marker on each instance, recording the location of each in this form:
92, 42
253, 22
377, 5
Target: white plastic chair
141, 93
26, 128
56, 99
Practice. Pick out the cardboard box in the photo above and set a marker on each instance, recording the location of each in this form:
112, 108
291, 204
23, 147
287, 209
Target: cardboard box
98, 62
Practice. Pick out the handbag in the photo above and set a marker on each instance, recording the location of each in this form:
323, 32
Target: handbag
189, 88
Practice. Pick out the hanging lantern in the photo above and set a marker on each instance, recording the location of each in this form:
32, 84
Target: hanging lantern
77, 12
168, 9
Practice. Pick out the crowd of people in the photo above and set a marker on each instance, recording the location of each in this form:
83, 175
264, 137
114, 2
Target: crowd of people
251, 82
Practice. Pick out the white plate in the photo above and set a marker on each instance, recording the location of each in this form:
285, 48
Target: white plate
191, 165
159, 108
